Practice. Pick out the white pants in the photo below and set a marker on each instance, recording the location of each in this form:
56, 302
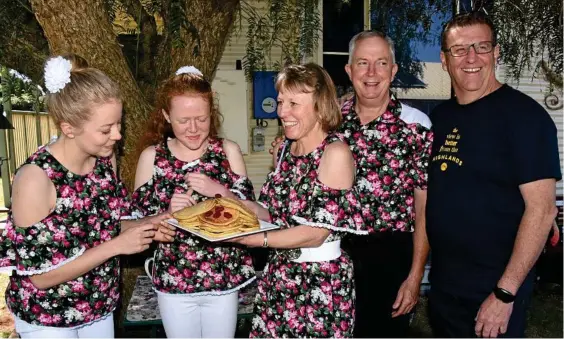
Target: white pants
206, 316
97, 329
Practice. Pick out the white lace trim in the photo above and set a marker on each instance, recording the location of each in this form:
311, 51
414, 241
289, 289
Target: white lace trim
104, 317
239, 193
215, 293
48, 269
323, 225
190, 164
133, 216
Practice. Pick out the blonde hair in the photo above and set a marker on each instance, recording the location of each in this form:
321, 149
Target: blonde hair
88, 87
312, 78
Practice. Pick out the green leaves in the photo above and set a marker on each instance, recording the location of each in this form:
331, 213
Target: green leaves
290, 26
21, 91
177, 22
530, 37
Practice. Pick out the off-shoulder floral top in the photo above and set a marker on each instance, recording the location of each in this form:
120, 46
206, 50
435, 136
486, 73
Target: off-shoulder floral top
316, 298
87, 213
189, 264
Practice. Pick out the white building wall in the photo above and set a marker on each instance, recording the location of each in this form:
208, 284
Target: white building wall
534, 85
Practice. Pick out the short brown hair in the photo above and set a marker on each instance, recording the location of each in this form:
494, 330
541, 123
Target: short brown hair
159, 129
88, 87
312, 78
465, 20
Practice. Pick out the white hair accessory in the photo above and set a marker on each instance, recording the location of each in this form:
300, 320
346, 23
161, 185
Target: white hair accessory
57, 74
188, 70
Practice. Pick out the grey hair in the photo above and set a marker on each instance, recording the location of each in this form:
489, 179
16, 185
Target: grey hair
371, 34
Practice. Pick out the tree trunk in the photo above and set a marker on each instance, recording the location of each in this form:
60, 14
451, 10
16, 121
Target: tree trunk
213, 20
84, 28
146, 48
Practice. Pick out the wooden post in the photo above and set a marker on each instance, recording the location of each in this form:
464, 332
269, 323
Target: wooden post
7, 105
37, 109
6, 184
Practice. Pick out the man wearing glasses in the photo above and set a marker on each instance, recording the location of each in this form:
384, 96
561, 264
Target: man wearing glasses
491, 190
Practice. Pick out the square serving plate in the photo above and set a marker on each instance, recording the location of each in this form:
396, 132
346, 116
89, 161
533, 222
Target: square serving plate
264, 226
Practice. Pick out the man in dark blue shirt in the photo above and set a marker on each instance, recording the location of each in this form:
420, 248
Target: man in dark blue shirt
491, 193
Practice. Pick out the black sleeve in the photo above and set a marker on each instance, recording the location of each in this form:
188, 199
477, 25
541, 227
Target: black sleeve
533, 144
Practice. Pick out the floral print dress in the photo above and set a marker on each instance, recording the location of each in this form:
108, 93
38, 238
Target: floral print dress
306, 299
87, 213
189, 264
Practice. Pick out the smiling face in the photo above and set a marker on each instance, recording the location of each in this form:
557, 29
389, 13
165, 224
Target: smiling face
99, 134
472, 75
372, 69
298, 114
189, 117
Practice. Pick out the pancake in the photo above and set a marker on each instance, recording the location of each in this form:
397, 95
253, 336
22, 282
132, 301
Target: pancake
218, 217
236, 204
195, 210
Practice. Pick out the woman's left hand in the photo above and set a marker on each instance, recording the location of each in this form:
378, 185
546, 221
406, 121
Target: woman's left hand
202, 184
165, 232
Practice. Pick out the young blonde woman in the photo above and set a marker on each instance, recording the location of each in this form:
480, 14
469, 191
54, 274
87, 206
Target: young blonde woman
63, 236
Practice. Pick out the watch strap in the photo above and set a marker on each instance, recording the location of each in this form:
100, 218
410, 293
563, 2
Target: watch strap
503, 295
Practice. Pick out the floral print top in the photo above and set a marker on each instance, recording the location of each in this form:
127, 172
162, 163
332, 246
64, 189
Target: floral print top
87, 213
294, 195
189, 264
310, 298
391, 157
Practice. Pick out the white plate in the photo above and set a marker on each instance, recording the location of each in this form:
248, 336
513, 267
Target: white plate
264, 226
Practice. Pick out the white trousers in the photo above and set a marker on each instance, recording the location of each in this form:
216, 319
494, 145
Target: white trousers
206, 316
97, 329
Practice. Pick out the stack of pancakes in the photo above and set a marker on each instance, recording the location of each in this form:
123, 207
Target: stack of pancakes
218, 217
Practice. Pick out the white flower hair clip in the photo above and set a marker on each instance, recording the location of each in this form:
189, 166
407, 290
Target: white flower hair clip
57, 74
188, 70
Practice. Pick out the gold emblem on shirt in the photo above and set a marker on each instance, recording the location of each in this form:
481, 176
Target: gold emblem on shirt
444, 166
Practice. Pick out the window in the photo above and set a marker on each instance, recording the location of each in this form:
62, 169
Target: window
341, 21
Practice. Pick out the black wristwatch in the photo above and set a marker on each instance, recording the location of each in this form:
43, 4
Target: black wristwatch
504, 295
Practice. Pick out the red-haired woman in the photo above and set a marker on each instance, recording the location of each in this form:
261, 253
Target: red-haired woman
186, 162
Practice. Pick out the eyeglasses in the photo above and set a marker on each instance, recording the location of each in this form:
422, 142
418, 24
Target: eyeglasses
481, 47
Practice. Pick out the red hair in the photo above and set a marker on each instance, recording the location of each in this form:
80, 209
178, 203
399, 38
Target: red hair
158, 129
